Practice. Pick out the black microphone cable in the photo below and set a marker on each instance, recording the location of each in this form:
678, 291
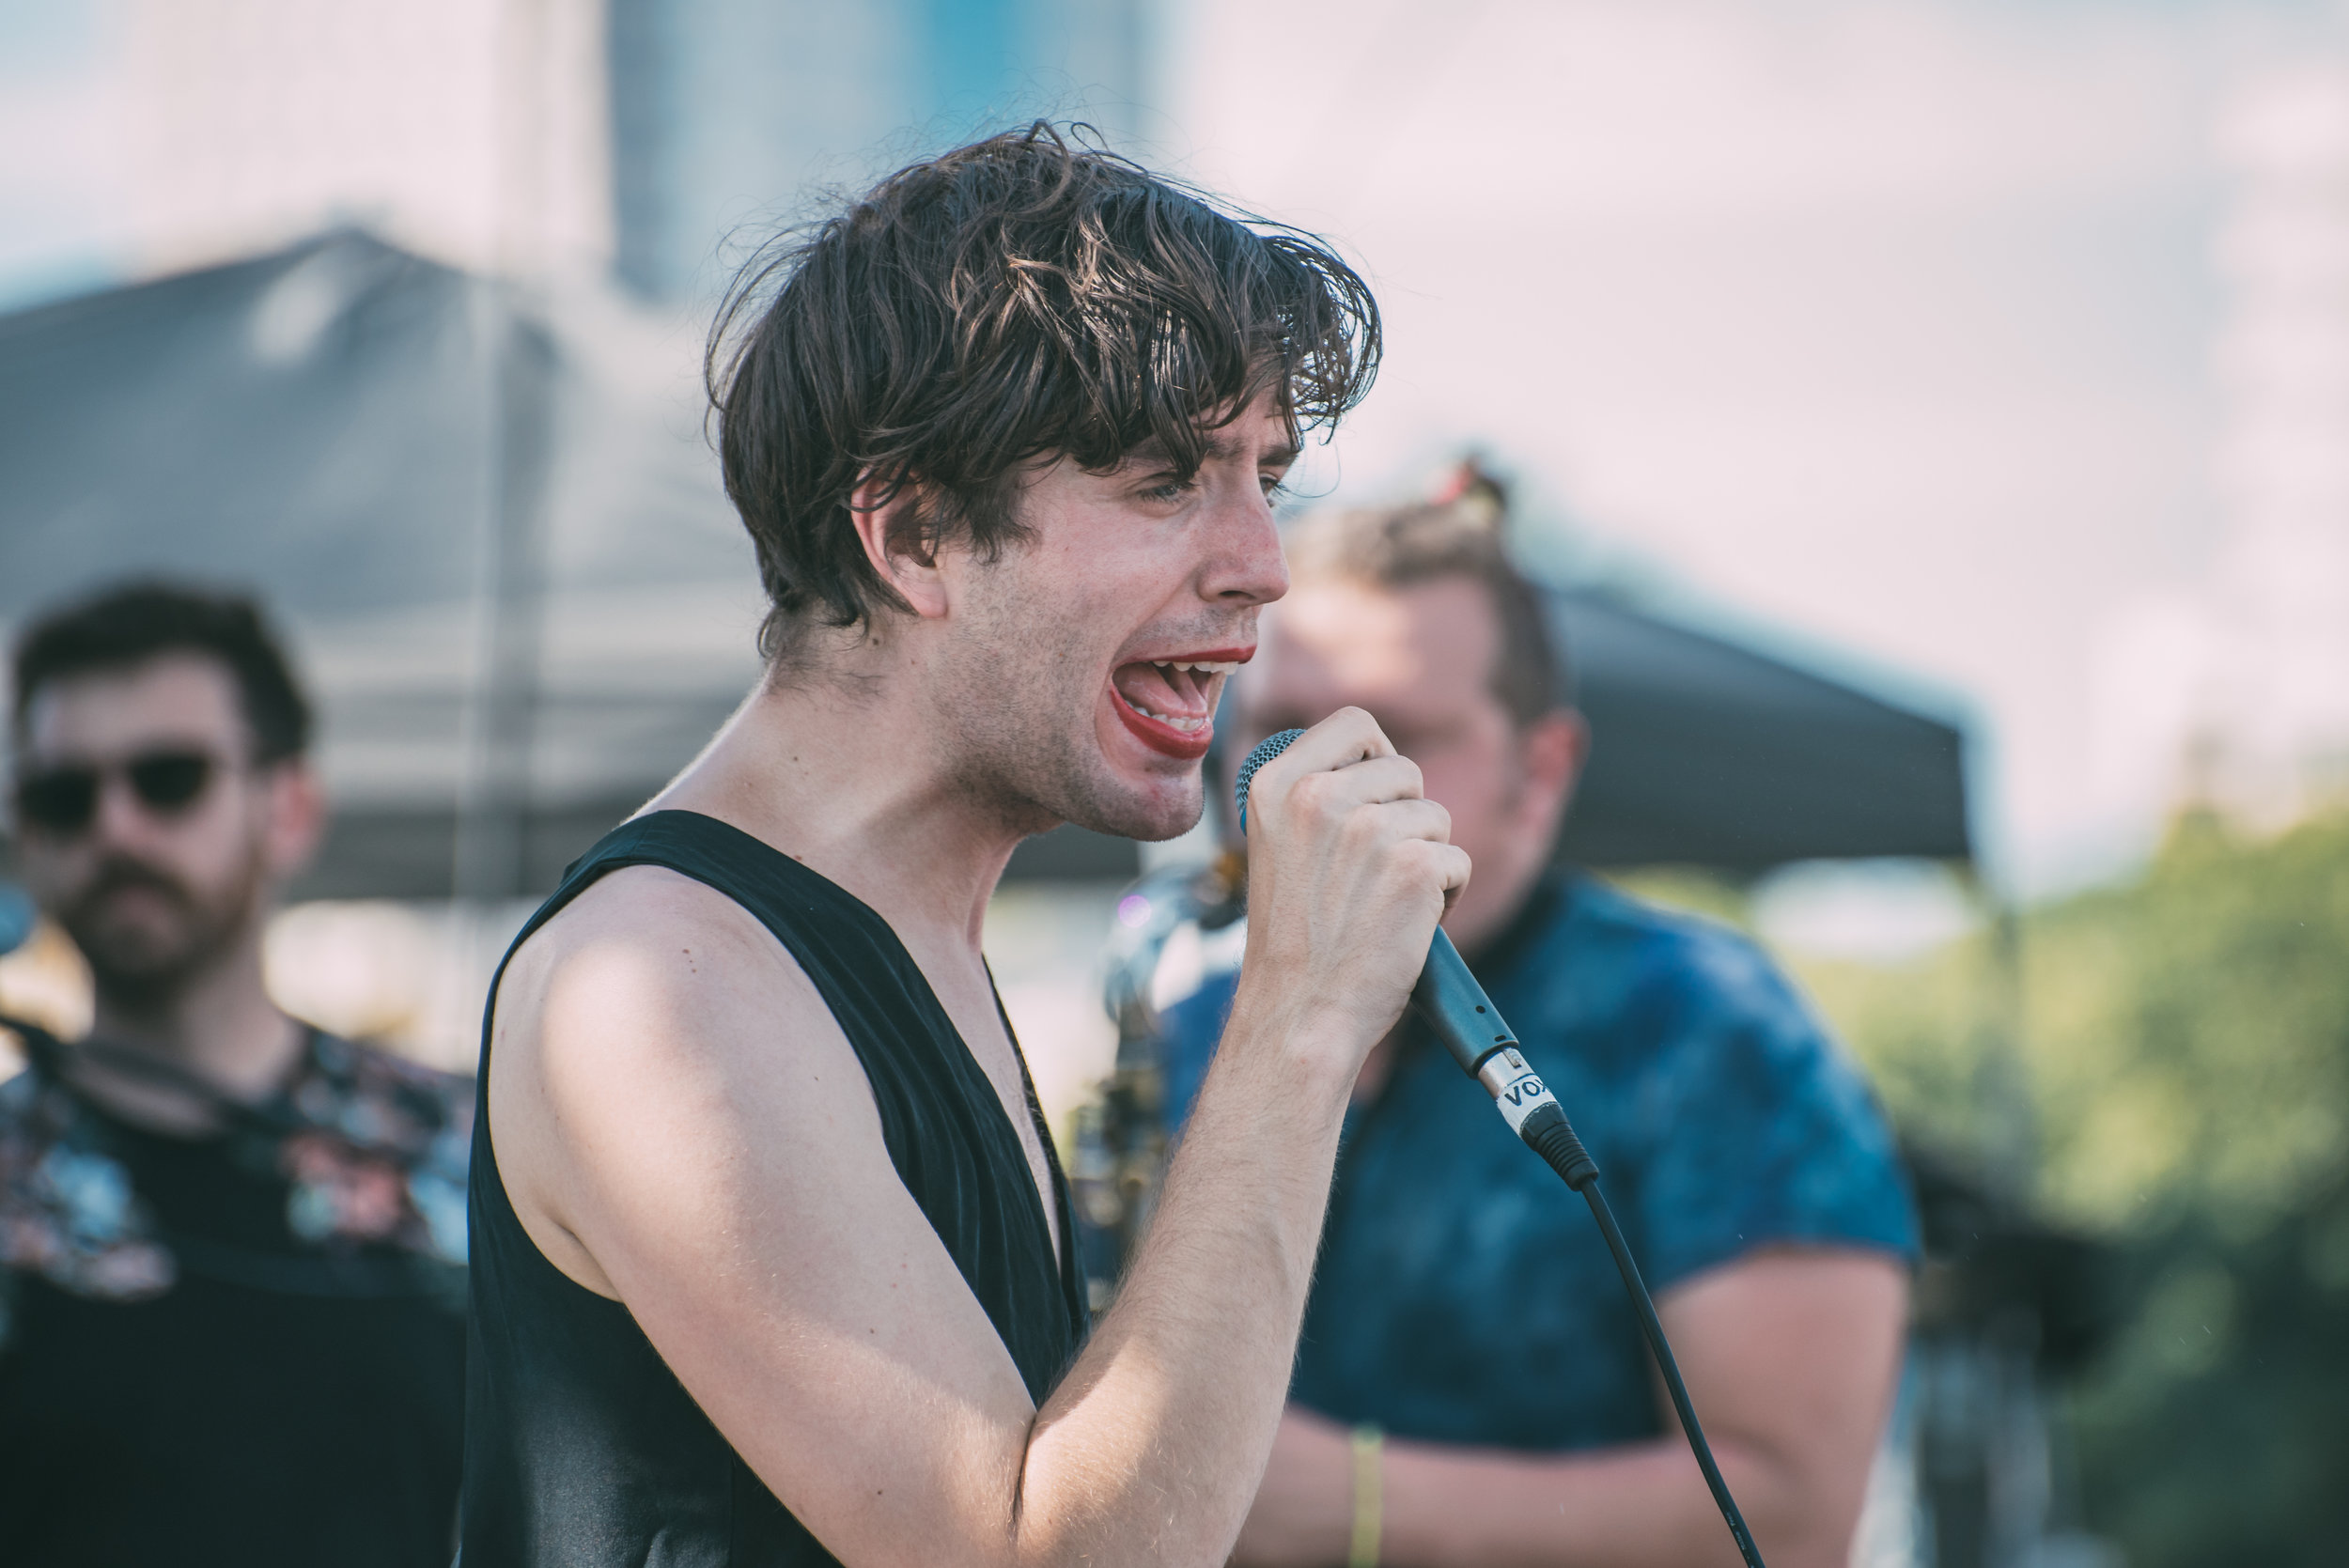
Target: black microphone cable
1455, 1008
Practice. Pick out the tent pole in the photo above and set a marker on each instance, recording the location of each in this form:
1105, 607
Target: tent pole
513, 363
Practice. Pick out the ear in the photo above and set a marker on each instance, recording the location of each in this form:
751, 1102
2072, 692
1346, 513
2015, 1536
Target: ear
1554, 748
889, 528
297, 817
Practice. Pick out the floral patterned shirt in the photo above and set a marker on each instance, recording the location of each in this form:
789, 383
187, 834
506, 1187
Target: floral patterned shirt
372, 1151
244, 1347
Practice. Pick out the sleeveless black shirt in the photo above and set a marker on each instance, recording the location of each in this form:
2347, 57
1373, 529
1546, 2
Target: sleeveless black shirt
582, 1449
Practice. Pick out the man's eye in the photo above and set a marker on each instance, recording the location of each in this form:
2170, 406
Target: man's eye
1275, 486
1169, 488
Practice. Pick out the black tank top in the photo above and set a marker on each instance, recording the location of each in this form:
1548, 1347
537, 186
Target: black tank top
582, 1449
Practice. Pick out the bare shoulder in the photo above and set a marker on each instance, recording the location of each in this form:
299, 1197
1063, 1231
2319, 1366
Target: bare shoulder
651, 1024
683, 1126
638, 911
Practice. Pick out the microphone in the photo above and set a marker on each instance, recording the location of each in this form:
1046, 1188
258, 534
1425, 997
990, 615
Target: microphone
1456, 1011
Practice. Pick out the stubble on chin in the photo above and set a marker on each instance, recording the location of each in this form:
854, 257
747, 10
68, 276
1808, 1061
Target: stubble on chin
1030, 747
141, 967
1152, 819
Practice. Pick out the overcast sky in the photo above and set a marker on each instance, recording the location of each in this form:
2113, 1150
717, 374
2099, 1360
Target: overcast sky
1890, 322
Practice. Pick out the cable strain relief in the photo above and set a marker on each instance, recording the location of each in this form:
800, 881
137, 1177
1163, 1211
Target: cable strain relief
1548, 1134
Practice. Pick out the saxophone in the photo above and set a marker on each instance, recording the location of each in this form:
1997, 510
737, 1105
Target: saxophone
1122, 1141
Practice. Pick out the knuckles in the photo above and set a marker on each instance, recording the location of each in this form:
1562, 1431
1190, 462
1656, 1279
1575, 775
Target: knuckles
1309, 797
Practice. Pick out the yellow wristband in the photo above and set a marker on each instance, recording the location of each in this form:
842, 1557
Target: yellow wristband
1370, 1504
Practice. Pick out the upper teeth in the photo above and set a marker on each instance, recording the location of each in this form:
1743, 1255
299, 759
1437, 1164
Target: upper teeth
1205, 666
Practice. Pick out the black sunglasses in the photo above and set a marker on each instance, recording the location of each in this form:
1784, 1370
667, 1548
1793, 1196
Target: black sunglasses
65, 799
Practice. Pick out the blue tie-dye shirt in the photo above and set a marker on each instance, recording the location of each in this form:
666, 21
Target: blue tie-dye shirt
1464, 1295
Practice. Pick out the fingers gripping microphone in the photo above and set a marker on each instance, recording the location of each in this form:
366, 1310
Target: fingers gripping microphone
1458, 1013
1456, 1010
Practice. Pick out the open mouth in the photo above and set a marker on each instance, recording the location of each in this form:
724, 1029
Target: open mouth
1169, 704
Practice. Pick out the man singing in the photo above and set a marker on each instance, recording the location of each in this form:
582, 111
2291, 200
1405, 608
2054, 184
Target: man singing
772, 1260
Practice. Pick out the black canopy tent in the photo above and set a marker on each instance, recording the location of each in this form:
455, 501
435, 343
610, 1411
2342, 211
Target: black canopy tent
492, 521
487, 515
1705, 752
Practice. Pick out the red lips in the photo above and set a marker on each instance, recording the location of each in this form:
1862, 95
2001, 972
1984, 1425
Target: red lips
1168, 703
1161, 737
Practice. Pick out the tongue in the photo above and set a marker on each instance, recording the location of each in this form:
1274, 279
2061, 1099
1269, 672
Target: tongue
1147, 686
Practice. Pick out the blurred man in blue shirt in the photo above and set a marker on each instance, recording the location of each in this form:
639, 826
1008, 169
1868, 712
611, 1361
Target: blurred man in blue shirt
1472, 1387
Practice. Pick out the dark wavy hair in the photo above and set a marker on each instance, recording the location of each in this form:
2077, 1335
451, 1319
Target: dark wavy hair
1027, 295
133, 622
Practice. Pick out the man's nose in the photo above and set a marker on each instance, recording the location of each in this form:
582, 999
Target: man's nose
121, 817
1245, 566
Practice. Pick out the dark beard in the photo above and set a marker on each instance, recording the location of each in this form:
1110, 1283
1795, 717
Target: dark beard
135, 973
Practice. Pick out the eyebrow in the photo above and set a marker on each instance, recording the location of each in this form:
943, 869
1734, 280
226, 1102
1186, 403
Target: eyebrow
1218, 446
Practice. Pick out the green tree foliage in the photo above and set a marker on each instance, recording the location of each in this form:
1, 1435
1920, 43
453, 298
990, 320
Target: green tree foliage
2172, 1073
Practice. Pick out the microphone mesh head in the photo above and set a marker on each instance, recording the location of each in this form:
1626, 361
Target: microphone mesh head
1270, 747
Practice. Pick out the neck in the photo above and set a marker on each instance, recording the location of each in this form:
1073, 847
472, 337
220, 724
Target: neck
222, 1028
852, 778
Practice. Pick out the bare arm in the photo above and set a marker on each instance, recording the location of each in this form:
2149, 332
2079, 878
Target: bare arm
1791, 1358
683, 1126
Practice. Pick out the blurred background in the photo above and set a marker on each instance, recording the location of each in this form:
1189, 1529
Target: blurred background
1973, 375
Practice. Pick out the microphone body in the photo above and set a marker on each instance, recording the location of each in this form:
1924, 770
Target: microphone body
1457, 1012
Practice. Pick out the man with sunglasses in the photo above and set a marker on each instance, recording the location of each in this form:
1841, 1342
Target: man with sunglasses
231, 1246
